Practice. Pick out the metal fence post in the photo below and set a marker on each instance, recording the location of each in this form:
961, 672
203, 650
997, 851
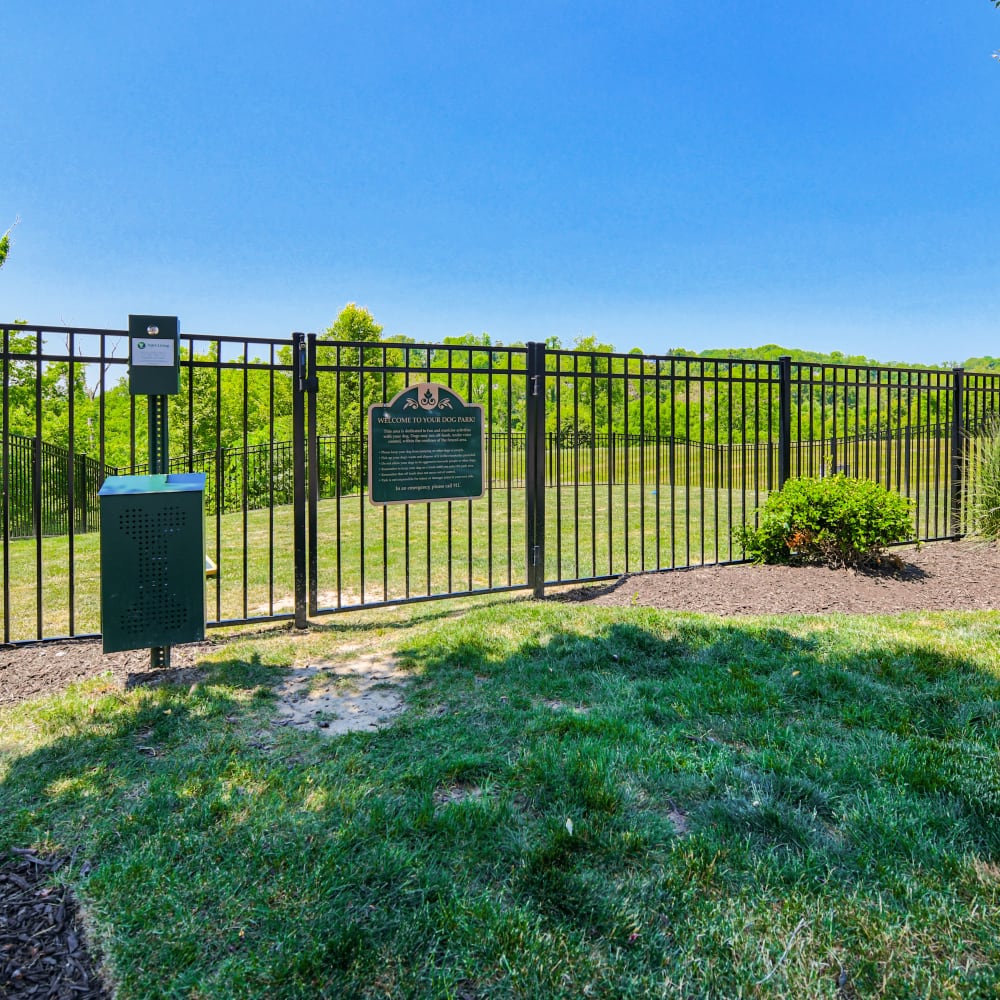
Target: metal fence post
5, 512
535, 468
311, 386
299, 475
158, 440
37, 522
957, 450
784, 419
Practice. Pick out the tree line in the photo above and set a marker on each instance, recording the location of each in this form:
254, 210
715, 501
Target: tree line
717, 396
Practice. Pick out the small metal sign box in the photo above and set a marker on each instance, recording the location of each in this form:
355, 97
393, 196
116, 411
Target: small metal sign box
426, 443
154, 355
152, 560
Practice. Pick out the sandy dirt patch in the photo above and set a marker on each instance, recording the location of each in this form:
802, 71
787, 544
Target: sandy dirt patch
360, 695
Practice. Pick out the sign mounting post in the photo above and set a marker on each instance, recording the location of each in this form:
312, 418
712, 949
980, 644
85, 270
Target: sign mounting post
154, 371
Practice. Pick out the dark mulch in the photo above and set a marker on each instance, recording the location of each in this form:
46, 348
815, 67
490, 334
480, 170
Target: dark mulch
939, 576
42, 942
41, 668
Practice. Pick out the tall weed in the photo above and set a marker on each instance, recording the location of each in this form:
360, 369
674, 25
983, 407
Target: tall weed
982, 467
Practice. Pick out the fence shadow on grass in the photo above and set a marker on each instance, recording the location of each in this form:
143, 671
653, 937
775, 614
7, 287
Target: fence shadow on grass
104, 745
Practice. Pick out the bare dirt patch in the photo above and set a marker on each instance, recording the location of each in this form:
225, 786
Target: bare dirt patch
449, 795
362, 694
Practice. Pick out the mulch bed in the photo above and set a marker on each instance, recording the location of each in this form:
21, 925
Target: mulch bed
939, 576
42, 950
32, 671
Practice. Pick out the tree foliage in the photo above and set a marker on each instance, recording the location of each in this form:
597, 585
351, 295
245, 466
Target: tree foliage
40, 395
5, 242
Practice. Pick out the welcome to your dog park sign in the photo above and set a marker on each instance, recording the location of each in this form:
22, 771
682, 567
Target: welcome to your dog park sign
426, 443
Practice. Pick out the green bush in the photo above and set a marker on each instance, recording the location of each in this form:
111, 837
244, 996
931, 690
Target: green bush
836, 521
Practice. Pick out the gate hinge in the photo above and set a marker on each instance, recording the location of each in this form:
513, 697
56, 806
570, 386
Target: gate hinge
536, 554
300, 364
534, 384
307, 382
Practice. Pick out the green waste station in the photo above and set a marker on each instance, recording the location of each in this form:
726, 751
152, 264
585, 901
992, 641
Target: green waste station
153, 527
152, 560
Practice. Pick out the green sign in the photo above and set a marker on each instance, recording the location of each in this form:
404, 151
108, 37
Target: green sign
425, 444
154, 355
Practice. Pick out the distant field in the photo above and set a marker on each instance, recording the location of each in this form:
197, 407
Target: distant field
367, 554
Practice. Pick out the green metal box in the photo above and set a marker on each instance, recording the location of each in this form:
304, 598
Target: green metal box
152, 560
154, 355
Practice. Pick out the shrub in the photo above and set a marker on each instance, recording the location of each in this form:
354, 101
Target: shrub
982, 468
836, 520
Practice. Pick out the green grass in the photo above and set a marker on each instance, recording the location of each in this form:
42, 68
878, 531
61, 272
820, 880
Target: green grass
750, 467
577, 802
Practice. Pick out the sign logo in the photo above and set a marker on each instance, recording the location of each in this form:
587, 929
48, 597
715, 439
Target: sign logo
427, 397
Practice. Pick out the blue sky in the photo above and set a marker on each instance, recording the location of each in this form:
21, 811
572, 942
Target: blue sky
657, 175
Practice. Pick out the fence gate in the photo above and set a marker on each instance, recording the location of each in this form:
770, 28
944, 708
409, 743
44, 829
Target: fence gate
360, 555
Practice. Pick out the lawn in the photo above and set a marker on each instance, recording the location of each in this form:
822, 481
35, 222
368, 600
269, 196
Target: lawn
578, 801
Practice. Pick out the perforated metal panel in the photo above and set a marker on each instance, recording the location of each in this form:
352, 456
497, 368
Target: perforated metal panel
152, 561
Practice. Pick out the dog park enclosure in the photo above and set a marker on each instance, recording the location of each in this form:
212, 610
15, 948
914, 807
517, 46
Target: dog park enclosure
595, 464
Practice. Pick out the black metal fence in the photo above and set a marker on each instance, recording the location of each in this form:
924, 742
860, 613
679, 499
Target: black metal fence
39, 489
596, 464
705, 440
68, 388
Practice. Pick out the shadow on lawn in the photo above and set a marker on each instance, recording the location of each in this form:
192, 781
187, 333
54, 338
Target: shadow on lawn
698, 761
107, 744
772, 713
